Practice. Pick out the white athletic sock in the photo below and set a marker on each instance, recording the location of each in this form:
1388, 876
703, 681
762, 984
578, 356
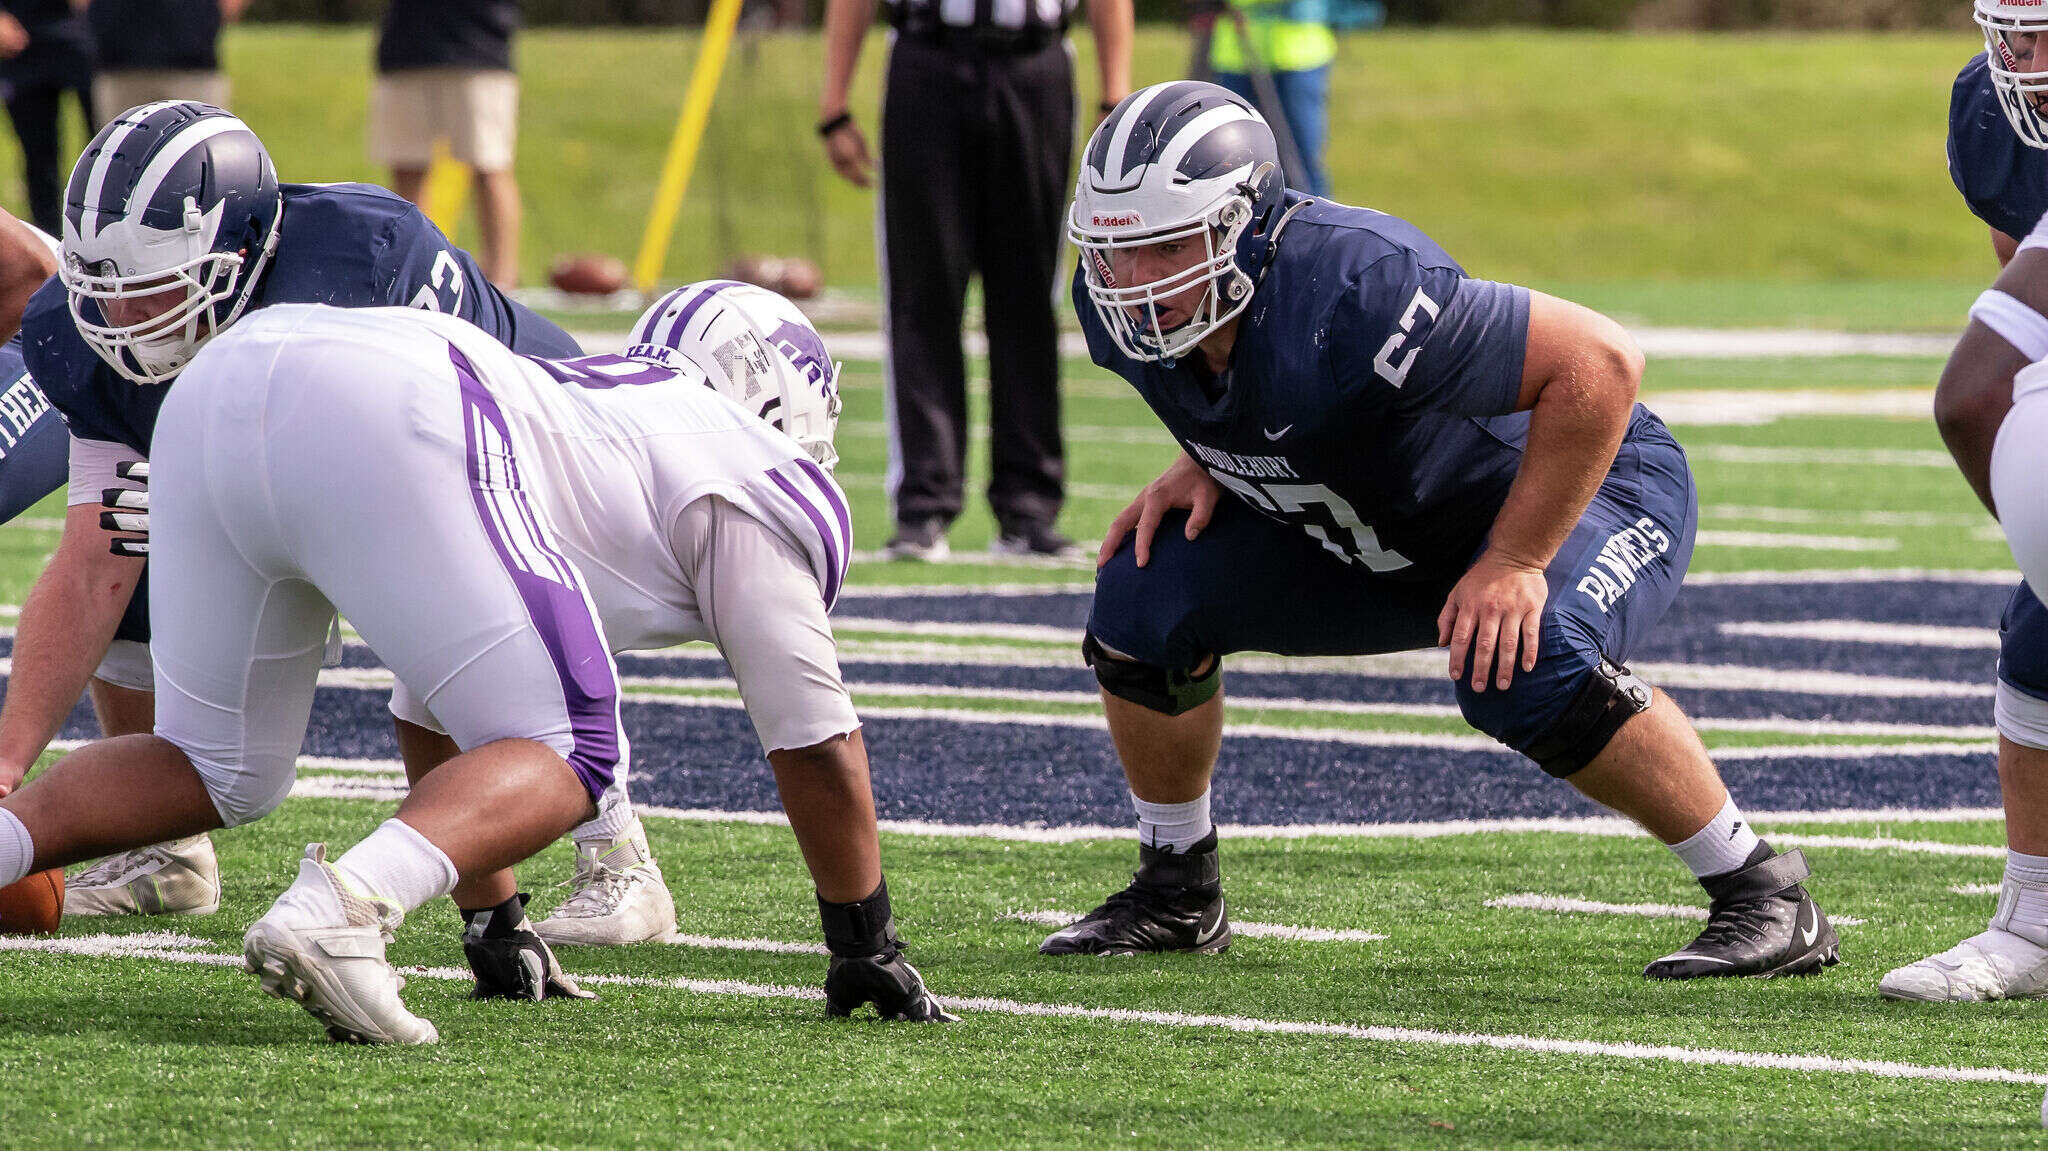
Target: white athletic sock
1175, 825
397, 863
610, 824
1723, 845
17, 853
2023, 898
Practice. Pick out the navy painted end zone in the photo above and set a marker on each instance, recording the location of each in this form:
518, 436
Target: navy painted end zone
1019, 774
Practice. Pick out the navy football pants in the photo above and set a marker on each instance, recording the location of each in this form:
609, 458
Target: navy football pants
1249, 583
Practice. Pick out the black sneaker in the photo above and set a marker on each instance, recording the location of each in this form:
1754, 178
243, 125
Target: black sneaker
1035, 541
1761, 922
1174, 903
923, 540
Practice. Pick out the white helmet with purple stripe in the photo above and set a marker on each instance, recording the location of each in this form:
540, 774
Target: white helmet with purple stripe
757, 349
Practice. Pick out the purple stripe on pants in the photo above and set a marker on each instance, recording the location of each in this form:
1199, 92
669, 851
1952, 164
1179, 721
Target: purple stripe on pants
832, 551
837, 501
590, 684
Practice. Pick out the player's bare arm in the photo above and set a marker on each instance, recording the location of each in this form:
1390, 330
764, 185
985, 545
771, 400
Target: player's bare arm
1975, 391
1579, 379
25, 262
2003, 247
65, 628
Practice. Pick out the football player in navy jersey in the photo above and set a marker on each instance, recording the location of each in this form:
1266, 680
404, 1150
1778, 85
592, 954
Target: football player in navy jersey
1380, 453
32, 436
1998, 157
175, 225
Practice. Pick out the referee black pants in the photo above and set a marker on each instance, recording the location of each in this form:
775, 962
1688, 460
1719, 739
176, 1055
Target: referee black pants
976, 151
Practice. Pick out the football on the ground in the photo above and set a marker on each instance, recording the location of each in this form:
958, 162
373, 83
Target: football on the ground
588, 274
33, 906
792, 276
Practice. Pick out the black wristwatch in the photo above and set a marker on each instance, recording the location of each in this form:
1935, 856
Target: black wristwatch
827, 127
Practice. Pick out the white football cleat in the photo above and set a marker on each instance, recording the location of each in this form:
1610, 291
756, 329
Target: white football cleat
618, 895
1994, 965
181, 877
322, 944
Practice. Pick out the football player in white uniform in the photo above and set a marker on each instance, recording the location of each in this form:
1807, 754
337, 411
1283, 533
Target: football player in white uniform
1988, 408
493, 535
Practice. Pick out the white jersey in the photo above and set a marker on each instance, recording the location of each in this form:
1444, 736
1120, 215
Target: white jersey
614, 450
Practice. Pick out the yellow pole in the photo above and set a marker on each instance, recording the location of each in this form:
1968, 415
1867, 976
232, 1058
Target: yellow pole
682, 147
447, 190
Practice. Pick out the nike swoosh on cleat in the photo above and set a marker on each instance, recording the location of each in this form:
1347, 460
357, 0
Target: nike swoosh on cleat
1276, 435
1811, 931
1697, 958
1209, 930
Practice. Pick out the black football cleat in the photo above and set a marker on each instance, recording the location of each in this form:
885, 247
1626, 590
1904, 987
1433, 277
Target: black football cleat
1760, 922
1174, 903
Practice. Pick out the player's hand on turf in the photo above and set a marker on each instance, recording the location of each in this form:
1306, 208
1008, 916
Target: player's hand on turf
1183, 485
127, 510
1494, 615
847, 148
889, 982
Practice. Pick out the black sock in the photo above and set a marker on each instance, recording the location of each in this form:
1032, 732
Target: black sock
497, 922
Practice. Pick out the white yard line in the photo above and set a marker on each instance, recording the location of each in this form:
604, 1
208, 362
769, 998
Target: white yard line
1866, 631
1711, 538
1749, 407
1975, 888
155, 946
1882, 519
1237, 927
769, 946
1808, 457
1532, 901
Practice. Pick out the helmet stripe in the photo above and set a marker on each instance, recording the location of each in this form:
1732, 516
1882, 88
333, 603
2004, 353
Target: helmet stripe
148, 119
177, 148
1196, 133
1119, 144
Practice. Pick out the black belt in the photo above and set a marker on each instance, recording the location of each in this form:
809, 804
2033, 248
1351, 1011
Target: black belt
987, 41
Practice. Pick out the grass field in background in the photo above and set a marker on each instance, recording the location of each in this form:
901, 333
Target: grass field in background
1798, 178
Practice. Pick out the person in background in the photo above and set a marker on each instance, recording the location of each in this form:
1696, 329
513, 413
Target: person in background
151, 50
45, 51
977, 151
444, 72
1292, 41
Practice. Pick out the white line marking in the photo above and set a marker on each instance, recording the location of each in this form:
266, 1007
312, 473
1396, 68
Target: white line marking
1237, 927
1732, 539
773, 946
2000, 577
1738, 407
999, 590
1976, 888
1866, 631
1808, 457
1785, 343
1413, 1036
1531, 901
1883, 519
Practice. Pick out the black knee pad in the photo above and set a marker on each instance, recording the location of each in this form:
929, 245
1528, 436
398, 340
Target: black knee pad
1168, 691
1613, 695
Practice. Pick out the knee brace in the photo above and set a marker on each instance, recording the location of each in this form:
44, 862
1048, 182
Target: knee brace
1168, 691
1612, 696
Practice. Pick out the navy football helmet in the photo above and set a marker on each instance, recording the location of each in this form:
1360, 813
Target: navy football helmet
171, 216
1183, 162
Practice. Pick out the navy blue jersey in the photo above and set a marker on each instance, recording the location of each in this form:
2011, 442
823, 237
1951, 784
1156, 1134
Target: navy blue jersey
34, 447
2004, 181
1369, 394
350, 245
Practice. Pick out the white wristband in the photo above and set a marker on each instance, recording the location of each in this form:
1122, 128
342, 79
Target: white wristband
2020, 325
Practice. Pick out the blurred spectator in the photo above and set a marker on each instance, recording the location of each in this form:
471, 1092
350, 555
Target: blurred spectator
45, 51
977, 164
444, 72
152, 50
1292, 42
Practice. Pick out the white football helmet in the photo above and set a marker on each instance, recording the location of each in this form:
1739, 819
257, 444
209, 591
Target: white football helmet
1180, 161
173, 197
2016, 40
756, 348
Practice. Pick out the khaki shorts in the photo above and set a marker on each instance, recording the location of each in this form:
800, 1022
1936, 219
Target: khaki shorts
115, 92
477, 112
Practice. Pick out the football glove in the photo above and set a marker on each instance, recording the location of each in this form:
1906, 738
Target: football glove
127, 510
510, 961
868, 964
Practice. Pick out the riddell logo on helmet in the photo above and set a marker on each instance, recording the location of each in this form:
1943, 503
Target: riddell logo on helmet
1132, 219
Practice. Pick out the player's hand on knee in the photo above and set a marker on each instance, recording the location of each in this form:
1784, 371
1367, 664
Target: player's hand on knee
1184, 484
1494, 616
127, 510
